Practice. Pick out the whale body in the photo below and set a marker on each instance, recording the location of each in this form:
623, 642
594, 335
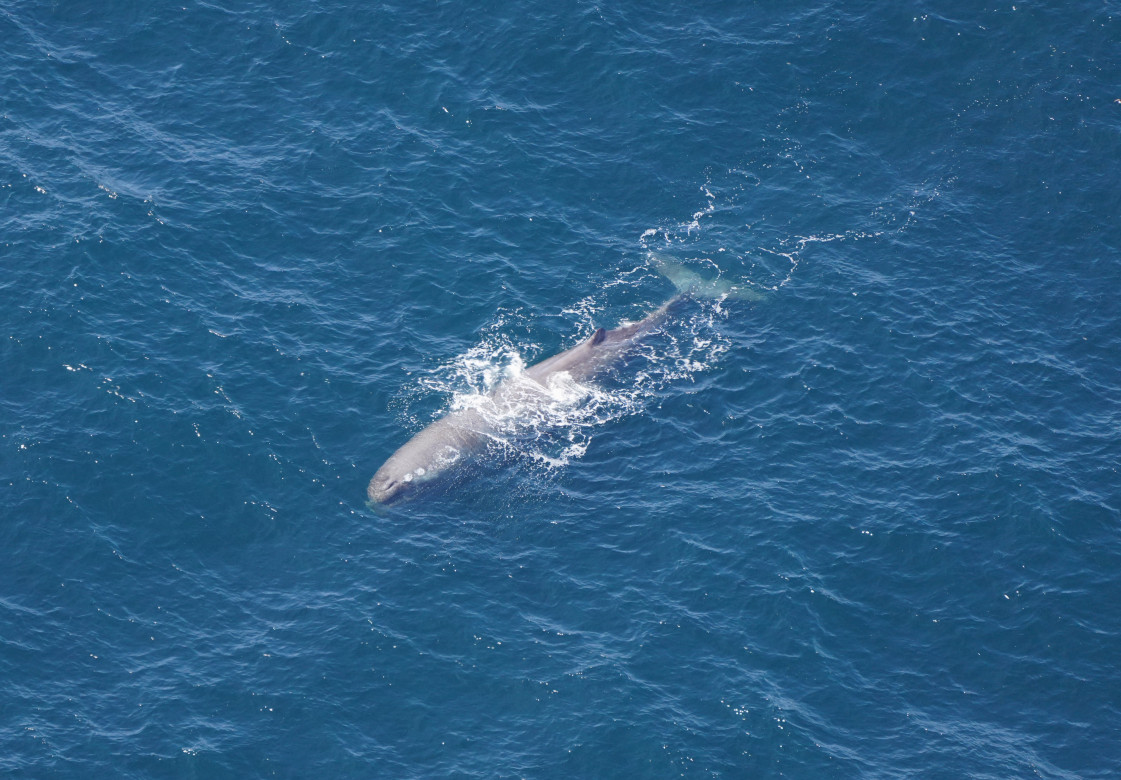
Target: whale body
447, 442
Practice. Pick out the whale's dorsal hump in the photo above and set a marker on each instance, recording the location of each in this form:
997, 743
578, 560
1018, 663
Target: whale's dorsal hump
597, 337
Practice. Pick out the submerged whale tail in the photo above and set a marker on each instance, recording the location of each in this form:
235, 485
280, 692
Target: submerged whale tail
689, 282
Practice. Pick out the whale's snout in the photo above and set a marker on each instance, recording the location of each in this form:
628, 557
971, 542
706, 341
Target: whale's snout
386, 488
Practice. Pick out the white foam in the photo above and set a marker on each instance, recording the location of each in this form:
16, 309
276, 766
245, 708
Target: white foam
553, 424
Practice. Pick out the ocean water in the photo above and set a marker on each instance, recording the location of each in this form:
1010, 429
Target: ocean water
866, 526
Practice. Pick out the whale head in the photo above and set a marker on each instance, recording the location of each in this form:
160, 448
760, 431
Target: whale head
398, 480
387, 487
418, 462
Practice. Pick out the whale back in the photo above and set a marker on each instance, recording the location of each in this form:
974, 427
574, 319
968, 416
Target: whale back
576, 361
601, 350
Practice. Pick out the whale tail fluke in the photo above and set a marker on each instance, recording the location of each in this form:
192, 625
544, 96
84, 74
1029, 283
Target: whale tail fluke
689, 282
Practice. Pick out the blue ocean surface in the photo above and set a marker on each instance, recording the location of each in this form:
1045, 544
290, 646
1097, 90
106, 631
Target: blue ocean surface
866, 525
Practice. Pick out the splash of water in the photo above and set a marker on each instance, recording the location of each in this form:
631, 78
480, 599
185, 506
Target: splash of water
552, 424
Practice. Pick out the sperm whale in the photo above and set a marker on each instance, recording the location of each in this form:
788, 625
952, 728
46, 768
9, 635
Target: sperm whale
445, 443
